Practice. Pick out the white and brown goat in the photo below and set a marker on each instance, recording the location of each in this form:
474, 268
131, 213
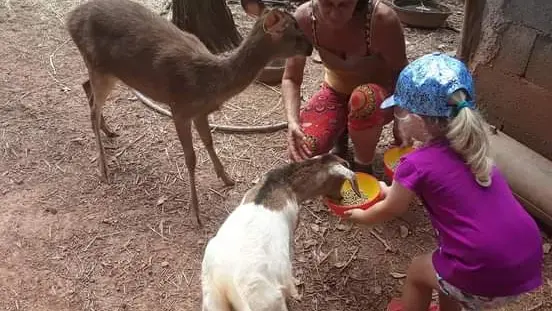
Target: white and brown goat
247, 265
121, 40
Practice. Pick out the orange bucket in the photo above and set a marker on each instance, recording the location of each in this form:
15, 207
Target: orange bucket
391, 159
367, 184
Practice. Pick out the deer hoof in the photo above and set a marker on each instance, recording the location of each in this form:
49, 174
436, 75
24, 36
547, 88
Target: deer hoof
227, 180
198, 223
111, 134
103, 173
104, 179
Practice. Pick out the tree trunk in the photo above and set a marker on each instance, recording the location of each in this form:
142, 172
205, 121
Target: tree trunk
210, 20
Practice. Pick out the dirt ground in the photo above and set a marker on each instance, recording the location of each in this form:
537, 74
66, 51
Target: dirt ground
70, 242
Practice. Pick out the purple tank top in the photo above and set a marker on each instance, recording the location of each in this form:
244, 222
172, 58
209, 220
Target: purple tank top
488, 245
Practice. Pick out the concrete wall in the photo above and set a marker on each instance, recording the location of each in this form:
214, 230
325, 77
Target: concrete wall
512, 65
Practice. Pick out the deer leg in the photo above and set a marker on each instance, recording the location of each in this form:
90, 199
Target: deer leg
101, 86
108, 131
202, 126
184, 131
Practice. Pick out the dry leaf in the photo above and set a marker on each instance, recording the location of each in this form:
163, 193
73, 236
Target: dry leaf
310, 242
161, 200
344, 227
397, 275
165, 264
546, 248
404, 231
315, 227
340, 264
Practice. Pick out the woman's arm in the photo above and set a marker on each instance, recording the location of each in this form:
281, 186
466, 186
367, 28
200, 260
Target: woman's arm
291, 92
295, 66
291, 87
388, 38
396, 201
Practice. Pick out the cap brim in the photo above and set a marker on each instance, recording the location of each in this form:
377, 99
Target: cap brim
388, 103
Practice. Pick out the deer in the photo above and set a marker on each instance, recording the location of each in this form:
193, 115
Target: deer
121, 41
247, 265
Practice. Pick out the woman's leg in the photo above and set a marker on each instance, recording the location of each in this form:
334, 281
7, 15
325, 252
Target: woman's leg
366, 121
323, 119
421, 280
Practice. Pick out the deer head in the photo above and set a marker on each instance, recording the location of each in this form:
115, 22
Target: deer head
287, 37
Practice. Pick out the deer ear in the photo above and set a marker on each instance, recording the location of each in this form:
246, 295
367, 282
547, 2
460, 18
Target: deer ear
274, 21
253, 7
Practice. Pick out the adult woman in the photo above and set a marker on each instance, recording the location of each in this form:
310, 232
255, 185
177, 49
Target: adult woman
361, 45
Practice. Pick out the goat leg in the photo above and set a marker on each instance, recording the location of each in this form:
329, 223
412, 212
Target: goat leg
184, 131
108, 131
202, 125
99, 87
291, 289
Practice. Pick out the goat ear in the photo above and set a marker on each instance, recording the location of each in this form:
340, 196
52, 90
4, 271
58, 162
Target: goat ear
253, 7
339, 170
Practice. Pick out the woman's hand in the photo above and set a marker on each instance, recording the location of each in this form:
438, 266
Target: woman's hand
298, 149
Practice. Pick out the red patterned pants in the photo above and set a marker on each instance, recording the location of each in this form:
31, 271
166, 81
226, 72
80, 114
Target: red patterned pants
328, 113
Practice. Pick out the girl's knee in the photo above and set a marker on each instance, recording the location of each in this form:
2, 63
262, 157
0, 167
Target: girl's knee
422, 272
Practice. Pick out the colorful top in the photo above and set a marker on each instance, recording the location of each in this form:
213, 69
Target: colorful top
344, 74
488, 245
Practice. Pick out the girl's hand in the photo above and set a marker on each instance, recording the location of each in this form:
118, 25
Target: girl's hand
384, 189
355, 215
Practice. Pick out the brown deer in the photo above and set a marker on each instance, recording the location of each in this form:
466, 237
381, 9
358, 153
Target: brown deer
120, 40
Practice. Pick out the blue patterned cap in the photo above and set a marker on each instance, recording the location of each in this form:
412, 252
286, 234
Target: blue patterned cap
425, 85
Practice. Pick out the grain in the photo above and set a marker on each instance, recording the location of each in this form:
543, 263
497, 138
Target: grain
351, 198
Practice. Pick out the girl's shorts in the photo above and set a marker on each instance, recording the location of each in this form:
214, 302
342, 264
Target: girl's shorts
471, 302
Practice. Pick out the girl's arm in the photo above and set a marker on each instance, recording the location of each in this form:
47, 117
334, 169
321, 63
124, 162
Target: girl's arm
395, 202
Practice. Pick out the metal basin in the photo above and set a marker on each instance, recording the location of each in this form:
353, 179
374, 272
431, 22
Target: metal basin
273, 72
421, 13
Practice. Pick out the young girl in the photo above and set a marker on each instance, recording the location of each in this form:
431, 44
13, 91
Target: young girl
489, 249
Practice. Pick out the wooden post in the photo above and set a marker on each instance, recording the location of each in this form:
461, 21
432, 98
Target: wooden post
471, 29
210, 20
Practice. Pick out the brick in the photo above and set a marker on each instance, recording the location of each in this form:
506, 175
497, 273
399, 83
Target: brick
515, 49
540, 63
536, 14
521, 106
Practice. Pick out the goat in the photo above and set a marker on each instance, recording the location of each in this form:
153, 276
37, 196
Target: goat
120, 40
247, 264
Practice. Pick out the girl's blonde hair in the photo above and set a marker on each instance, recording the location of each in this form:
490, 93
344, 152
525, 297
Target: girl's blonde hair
467, 136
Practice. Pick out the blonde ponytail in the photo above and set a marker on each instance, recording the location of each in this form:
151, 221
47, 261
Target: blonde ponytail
467, 136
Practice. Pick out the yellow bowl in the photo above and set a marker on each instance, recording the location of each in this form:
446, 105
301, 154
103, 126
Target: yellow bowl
391, 158
368, 185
